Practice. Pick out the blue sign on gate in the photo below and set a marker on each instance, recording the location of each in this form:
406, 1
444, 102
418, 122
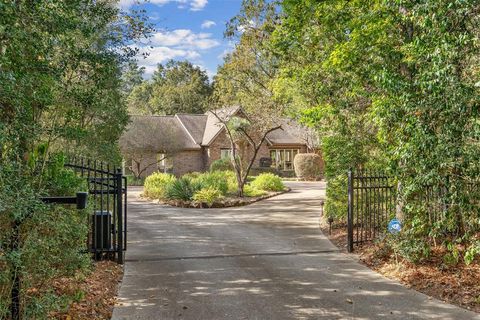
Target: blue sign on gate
394, 226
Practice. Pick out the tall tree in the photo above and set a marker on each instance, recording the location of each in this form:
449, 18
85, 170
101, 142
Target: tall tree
245, 79
132, 75
389, 84
60, 88
176, 87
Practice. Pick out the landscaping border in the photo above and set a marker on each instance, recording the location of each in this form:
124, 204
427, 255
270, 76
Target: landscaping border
228, 202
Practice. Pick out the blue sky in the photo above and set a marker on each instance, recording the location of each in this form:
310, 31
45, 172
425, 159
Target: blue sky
186, 30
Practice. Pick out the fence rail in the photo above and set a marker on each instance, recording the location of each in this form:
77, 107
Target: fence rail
107, 187
371, 205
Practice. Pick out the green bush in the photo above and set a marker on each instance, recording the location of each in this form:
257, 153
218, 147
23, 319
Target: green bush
192, 175
156, 185
182, 189
308, 166
250, 191
134, 181
221, 165
207, 195
268, 182
231, 181
216, 180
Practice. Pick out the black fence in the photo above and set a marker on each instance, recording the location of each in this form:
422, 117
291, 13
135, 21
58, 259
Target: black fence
371, 205
107, 188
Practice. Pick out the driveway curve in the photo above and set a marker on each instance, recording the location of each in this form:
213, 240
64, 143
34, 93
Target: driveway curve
268, 260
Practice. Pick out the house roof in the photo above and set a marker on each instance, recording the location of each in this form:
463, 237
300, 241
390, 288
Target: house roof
194, 124
292, 134
146, 132
192, 131
213, 126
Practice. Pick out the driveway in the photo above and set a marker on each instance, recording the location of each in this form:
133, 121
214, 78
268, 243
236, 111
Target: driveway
268, 260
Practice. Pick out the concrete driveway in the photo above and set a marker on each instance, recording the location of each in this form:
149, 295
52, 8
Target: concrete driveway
268, 260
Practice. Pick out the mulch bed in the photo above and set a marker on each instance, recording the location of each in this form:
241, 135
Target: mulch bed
458, 285
226, 202
94, 295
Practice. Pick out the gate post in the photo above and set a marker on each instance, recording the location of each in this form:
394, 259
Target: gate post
350, 211
119, 183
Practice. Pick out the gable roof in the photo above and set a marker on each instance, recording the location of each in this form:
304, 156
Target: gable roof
147, 132
192, 131
213, 126
292, 134
194, 124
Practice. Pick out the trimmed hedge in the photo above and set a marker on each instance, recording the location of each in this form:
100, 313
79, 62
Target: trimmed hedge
308, 166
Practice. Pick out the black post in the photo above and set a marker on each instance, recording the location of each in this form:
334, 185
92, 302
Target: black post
350, 211
15, 297
118, 177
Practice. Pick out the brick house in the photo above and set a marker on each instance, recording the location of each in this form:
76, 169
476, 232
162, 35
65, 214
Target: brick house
196, 140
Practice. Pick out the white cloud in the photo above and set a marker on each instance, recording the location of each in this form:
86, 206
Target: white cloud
179, 44
208, 24
194, 5
161, 54
185, 39
197, 5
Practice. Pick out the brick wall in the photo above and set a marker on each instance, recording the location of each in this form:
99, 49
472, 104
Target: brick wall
222, 142
147, 159
188, 161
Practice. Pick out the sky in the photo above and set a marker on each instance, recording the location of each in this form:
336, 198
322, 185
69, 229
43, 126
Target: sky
186, 30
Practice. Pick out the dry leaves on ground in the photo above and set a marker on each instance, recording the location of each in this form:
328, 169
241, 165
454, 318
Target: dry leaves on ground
457, 284
94, 295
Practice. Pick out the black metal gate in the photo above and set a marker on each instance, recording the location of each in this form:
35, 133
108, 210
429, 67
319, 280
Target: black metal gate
107, 188
371, 205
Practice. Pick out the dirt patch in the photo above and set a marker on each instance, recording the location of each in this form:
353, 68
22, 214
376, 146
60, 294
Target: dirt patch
94, 295
458, 285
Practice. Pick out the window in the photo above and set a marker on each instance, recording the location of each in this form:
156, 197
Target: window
282, 159
225, 153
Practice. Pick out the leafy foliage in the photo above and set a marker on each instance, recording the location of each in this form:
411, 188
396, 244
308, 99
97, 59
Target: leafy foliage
221, 165
251, 191
182, 189
156, 185
268, 182
60, 90
215, 179
207, 195
392, 85
176, 87
308, 166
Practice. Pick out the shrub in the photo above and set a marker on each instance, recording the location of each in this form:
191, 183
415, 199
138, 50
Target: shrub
156, 185
182, 189
268, 182
259, 170
134, 181
216, 180
221, 165
231, 181
250, 191
207, 195
308, 166
192, 175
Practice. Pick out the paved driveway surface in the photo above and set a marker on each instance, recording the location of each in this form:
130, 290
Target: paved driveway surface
268, 260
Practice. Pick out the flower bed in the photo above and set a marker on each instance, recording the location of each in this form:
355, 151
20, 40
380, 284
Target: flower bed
215, 189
